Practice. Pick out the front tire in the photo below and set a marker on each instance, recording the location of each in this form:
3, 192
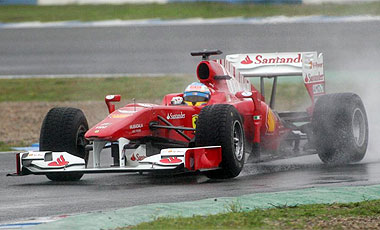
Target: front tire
340, 128
63, 130
222, 125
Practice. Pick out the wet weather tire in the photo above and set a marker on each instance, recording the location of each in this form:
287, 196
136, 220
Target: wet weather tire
340, 128
63, 130
222, 125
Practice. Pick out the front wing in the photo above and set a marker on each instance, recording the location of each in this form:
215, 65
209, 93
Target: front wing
174, 159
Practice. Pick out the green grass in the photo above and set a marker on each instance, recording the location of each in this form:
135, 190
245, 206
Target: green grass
90, 89
290, 95
19, 13
316, 216
291, 92
4, 147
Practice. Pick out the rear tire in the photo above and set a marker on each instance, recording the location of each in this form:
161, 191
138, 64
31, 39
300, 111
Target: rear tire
340, 128
63, 130
222, 125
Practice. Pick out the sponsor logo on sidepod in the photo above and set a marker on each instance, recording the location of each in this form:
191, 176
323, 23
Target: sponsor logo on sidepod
172, 116
194, 120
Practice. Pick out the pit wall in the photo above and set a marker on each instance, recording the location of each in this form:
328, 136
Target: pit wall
66, 2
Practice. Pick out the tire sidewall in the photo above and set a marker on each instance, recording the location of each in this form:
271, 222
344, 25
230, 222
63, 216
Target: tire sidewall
357, 152
60, 131
215, 128
64, 135
229, 157
333, 128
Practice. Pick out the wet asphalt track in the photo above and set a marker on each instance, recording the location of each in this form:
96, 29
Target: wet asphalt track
165, 49
36, 196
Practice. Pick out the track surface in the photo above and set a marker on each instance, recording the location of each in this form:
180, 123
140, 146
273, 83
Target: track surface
165, 49
35, 196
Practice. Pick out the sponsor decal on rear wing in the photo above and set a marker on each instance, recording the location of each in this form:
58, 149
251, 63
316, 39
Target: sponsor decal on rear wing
313, 74
275, 64
309, 65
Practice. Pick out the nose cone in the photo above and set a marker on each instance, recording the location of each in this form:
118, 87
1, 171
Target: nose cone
120, 123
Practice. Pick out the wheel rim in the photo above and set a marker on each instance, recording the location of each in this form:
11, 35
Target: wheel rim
358, 127
81, 140
238, 140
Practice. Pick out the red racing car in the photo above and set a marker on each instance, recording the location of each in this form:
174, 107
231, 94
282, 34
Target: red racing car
215, 126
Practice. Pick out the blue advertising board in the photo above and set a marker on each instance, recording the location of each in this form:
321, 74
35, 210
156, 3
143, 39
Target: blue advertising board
18, 2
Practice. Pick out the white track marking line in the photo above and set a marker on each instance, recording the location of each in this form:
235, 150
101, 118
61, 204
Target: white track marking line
194, 21
105, 75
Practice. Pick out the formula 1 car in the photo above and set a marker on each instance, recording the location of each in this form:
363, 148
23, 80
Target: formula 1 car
236, 125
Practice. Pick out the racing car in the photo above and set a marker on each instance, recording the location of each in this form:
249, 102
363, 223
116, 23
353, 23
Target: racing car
217, 125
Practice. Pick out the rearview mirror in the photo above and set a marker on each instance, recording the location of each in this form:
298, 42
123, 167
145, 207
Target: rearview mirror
244, 94
112, 98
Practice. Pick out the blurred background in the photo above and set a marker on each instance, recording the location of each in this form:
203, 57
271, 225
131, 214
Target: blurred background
61, 2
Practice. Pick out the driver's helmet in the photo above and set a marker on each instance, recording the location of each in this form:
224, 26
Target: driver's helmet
196, 94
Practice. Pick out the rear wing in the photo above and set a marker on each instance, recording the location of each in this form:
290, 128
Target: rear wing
308, 65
